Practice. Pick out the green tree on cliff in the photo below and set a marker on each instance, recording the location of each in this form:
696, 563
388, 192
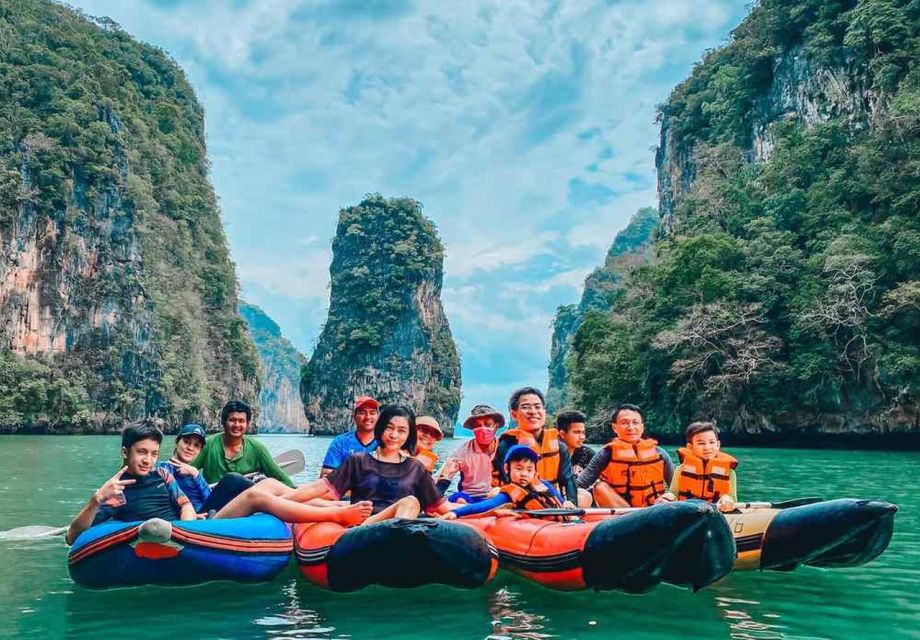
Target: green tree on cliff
788, 287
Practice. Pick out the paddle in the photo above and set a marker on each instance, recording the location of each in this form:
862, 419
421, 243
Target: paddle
604, 511
291, 461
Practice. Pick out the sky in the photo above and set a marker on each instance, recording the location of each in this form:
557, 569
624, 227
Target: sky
525, 129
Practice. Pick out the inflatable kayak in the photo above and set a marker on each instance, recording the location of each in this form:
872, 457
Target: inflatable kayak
118, 554
394, 553
681, 543
832, 533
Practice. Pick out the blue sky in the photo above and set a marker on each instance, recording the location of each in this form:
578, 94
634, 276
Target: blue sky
525, 128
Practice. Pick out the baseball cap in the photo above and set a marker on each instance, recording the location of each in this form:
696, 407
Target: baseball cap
522, 450
366, 401
191, 429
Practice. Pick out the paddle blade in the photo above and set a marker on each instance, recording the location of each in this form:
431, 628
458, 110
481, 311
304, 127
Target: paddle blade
31, 532
291, 461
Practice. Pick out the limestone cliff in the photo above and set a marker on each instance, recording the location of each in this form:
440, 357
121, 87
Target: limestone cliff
117, 293
280, 407
787, 203
386, 334
631, 247
797, 88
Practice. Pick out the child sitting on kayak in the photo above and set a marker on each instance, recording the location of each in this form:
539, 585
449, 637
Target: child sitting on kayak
525, 491
189, 442
428, 431
705, 472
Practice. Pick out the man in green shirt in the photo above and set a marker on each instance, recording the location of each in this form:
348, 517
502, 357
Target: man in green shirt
234, 452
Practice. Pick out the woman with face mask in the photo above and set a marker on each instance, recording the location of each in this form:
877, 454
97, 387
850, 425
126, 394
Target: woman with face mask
473, 458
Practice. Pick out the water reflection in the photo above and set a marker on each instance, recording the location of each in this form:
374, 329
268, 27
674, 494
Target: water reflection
741, 617
296, 622
509, 620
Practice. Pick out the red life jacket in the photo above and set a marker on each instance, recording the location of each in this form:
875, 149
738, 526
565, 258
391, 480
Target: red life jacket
704, 479
536, 496
636, 472
548, 448
428, 458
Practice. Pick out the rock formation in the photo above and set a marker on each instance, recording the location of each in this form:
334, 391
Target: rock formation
785, 294
631, 247
280, 407
117, 294
386, 334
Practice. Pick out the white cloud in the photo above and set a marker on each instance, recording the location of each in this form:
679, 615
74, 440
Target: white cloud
479, 113
298, 278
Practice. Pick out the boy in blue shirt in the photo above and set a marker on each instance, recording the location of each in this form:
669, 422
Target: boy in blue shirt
525, 491
139, 491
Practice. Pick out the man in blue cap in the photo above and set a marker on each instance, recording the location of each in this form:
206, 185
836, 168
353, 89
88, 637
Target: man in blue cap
524, 491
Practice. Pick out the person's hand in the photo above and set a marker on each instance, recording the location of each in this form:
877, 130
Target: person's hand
664, 498
184, 469
493, 492
506, 513
113, 488
576, 469
450, 515
726, 503
568, 505
450, 468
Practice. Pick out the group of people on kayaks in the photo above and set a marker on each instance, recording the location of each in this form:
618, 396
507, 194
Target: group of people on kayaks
387, 468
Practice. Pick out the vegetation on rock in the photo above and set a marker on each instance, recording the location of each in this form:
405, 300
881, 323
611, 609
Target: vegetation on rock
386, 333
117, 293
786, 294
631, 247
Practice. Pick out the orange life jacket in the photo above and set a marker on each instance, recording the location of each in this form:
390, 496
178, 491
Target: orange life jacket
636, 472
704, 479
428, 458
548, 466
536, 496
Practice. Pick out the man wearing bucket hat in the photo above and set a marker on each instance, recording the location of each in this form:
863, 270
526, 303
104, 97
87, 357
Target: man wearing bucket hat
361, 440
473, 458
427, 432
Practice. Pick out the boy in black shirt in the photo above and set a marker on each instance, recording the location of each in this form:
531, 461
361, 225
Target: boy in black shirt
139, 491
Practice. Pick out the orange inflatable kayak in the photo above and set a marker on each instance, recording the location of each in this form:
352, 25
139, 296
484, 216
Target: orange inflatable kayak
394, 553
681, 543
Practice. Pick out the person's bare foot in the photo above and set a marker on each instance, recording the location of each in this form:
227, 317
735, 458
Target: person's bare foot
354, 514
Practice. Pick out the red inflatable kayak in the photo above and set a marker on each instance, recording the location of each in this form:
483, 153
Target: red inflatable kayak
681, 543
394, 553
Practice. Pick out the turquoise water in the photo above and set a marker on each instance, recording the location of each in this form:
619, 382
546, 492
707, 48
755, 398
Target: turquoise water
45, 480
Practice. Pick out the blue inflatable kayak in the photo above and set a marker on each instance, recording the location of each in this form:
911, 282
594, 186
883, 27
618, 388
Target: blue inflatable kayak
120, 554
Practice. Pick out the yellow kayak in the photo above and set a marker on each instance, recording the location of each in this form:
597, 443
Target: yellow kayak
831, 533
